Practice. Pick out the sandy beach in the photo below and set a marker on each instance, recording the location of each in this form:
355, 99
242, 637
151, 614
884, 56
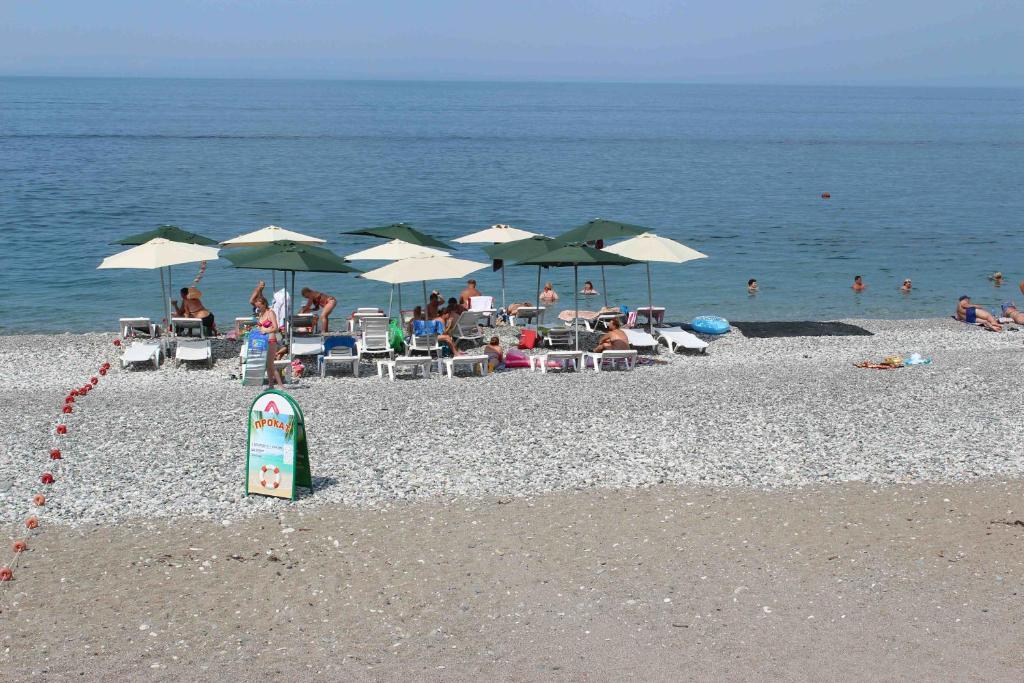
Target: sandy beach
765, 511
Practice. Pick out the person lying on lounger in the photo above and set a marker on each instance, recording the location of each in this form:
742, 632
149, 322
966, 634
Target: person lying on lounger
969, 313
614, 340
1011, 311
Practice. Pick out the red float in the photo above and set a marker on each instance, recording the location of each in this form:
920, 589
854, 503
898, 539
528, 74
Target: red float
47, 478
39, 499
67, 409
103, 371
69, 399
32, 522
94, 381
19, 546
6, 574
117, 342
55, 454
62, 429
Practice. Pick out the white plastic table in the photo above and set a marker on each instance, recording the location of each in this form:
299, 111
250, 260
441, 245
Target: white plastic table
575, 358
474, 361
422, 363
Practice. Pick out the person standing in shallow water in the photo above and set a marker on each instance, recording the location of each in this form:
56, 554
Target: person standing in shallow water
858, 284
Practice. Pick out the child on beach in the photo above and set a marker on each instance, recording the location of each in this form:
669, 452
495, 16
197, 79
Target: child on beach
495, 355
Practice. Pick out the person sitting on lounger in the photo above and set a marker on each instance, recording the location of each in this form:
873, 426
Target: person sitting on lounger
453, 310
969, 313
1011, 311
318, 301
434, 306
549, 295
192, 307
588, 289
495, 354
614, 340
179, 309
466, 297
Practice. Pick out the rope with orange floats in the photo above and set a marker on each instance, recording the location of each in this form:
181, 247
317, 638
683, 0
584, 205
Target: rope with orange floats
53, 472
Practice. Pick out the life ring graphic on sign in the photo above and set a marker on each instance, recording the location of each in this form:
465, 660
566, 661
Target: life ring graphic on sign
273, 474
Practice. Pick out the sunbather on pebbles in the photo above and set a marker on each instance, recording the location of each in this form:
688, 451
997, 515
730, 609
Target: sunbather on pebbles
969, 313
614, 340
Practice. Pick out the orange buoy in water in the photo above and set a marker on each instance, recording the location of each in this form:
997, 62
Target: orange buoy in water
826, 195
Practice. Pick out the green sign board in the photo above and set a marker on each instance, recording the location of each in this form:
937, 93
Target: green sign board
277, 456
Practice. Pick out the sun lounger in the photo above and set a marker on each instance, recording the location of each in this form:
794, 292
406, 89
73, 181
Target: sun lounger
639, 339
137, 327
559, 337
373, 339
626, 358
307, 346
304, 321
187, 327
361, 314
339, 354
565, 359
244, 323
423, 343
484, 305
528, 314
193, 350
677, 337
142, 352
591, 320
467, 328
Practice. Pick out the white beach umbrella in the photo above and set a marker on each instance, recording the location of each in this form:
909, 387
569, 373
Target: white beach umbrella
395, 250
423, 268
650, 247
160, 253
497, 234
269, 234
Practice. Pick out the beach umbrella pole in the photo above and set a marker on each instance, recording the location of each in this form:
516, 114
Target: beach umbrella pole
291, 314
391, 298
503, 286
604, 288
576, 302
650, 302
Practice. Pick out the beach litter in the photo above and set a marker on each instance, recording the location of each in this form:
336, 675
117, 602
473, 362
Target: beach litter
895, 362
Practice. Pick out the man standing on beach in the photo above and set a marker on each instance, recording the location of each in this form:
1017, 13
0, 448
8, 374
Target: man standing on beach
468, 293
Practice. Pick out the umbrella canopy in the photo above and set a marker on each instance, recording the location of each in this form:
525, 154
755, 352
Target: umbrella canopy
522, 249
601, 229
403, 232
290, 256
159, 253
422, 268
269, 234
576, 256
167, 232
496, 234
650, 247
393, 251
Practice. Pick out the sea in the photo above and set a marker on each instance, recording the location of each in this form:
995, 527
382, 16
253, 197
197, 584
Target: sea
923, 183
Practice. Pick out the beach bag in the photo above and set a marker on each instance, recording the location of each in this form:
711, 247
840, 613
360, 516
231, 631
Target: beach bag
528, 339
395, 335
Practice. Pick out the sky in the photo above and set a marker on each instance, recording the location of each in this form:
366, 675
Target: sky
898, 42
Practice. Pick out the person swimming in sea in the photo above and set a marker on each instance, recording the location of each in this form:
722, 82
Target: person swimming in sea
906, 286
752, 286
969, 313
996, 278
858, 284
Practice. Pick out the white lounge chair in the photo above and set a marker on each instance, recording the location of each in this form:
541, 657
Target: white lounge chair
557, 336
421, 364
467, 328
193, 350
678, 338
477, 364
626, 358
339, 355
137, 327
423, 343
187, 327
307, 346
639, 339
361, 314
306, 322
484, 305
373, 340
142, 352
528, 314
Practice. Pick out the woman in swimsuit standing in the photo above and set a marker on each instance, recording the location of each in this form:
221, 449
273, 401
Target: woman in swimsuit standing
325, 303
269, 325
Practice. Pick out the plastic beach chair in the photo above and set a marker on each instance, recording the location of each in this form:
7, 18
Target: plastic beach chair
467, 327
484, 305
193, 350
338, 353
639, 339
307, 346
557, 336
137, 327
142, 352
613, 357
678, 338
373, 340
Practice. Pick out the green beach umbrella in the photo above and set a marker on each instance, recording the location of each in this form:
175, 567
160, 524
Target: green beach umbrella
290, 257
599, 230
172, 233
403, 232
576, 256
520, 250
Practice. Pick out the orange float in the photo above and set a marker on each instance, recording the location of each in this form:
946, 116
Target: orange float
6, 574
19, 546
32, 522
39, 499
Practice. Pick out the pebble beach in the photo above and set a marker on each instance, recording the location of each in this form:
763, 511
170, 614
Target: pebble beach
757, 413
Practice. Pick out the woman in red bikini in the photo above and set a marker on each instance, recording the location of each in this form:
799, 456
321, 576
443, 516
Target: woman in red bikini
325, 303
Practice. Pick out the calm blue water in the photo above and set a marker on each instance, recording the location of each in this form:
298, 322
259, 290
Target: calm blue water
925, 183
